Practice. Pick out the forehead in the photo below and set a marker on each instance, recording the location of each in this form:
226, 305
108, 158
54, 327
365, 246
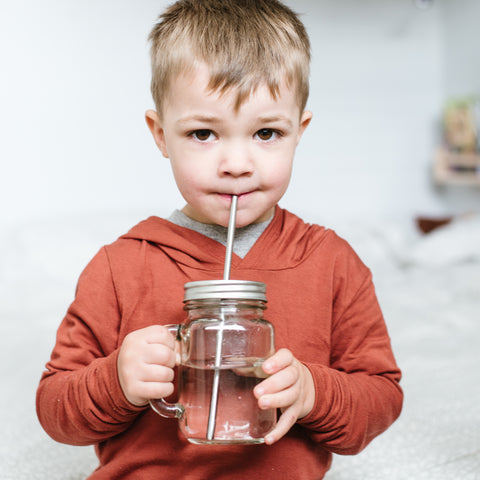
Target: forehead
193, 87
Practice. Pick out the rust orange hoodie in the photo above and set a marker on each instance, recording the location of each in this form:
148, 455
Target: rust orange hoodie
321, 301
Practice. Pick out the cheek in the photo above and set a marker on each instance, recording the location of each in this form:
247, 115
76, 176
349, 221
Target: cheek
279, 174
183, 178
190, 181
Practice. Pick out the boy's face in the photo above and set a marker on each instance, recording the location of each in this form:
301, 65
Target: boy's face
216, 152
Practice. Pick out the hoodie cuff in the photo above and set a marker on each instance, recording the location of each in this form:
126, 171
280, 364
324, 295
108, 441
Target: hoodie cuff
326, 388
106, 374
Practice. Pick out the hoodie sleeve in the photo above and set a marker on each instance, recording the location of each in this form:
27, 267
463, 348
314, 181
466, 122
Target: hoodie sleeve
79, 398
358, 395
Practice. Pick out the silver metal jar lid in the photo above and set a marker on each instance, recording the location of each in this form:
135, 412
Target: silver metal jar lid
225, 290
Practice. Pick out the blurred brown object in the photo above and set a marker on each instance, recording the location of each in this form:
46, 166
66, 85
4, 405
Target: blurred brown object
453, 168
428, 224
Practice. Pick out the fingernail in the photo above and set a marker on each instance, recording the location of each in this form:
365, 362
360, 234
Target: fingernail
267, 366
269, 439
259, 391
264, 403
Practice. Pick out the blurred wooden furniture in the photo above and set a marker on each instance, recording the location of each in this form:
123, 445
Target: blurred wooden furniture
451, 168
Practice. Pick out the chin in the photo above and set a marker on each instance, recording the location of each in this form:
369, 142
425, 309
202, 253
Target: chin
243, 221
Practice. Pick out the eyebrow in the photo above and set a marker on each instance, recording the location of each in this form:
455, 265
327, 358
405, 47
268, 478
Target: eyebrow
276, 118
199, 118
211, 119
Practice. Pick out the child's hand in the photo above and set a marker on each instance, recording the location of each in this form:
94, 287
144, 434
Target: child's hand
145, 364
290, 388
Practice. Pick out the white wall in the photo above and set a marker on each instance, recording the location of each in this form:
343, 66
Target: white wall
75, 84
73, 134
376, 90
461, 33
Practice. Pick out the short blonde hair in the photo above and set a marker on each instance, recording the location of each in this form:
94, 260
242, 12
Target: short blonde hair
244, 43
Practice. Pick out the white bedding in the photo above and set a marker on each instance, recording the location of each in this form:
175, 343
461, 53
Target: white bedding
429, 289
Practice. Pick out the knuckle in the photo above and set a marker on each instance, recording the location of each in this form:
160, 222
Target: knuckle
289, 417
170, 358
291, 376
167, 337
161, 390
163, 354
287, 354
166, 375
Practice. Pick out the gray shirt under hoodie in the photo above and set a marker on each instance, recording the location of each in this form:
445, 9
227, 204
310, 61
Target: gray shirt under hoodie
244, 239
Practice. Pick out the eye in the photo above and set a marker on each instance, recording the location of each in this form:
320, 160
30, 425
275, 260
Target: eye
202, 135
266, 134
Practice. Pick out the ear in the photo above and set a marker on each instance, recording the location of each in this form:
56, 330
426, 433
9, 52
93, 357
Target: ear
304, 122
155, 126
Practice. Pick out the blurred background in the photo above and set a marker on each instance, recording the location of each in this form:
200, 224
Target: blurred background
75, 86
395, 88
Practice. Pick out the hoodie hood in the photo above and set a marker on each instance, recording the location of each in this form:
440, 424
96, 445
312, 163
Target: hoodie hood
286, 242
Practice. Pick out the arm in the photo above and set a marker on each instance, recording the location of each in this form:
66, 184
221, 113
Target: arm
360, 392
79, 398
352, 409
346, 404
84, 406
93, 389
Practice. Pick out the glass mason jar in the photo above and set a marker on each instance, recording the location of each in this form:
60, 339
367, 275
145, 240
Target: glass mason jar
222, 346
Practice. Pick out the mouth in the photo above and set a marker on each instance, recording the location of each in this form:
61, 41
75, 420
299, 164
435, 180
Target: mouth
241, 196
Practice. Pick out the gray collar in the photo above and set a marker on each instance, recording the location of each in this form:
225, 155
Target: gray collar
245, 237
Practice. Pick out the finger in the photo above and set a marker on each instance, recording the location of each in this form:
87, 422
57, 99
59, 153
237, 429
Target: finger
157, 354
281, 380
159, 334
284, 424
154, 390
282, 399
157, 373
279, 360
149, 382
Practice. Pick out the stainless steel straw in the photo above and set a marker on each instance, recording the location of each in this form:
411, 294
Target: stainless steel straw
230, 236
212, 414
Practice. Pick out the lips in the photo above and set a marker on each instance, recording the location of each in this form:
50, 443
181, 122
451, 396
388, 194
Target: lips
228, 196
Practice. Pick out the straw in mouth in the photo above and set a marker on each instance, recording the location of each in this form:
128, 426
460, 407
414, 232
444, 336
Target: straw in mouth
230, 237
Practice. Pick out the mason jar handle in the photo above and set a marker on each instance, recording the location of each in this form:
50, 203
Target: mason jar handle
159, 405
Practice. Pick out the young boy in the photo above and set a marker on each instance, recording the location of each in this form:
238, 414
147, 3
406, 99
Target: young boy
230, 84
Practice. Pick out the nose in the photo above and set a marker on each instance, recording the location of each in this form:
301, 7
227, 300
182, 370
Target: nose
236, 161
